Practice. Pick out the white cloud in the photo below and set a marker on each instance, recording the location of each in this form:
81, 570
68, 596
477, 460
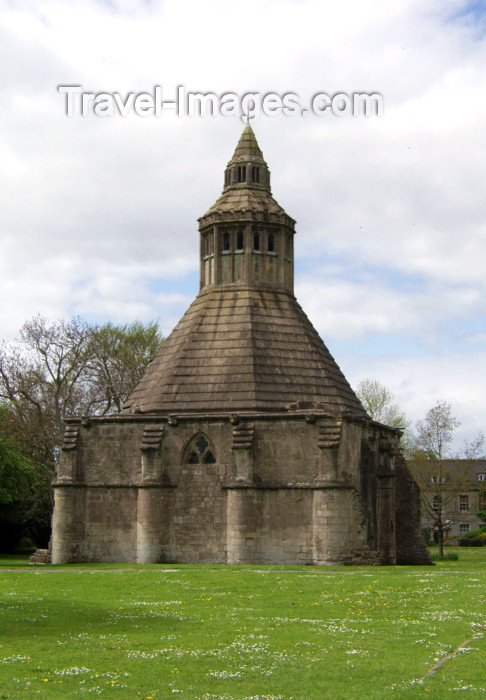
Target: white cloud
99, 215
418, 382
349, 309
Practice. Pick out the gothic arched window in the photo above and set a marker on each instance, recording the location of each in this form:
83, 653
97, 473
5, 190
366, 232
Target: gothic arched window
199, 451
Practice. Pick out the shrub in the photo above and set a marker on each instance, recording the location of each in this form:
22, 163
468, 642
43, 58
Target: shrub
475, 538
450, 556
475, 533
25, 546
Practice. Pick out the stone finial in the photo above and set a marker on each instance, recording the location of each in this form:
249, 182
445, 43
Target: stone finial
243, 436
152, 437
70, 437
330, 433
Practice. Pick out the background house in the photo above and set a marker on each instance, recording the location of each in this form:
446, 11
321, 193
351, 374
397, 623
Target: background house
453, 491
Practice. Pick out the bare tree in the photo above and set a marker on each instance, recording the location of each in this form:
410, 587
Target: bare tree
474, 449
41, 379
67, 368
70, 368
441, 476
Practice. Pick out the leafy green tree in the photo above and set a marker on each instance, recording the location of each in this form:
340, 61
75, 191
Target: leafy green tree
120, 356
379, 404
21, 483
18, 474
482, 514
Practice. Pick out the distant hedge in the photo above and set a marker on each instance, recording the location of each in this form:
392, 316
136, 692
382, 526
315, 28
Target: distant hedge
474, 538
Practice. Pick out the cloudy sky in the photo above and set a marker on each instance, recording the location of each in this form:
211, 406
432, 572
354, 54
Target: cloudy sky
98, 214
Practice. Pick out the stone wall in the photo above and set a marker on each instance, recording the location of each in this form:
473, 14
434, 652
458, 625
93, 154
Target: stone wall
264, 489
411, 547
269, 526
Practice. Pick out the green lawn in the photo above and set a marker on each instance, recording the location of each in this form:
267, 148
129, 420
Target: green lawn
243, 632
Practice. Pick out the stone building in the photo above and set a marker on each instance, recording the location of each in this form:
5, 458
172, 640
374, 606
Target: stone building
453, 490
243, 443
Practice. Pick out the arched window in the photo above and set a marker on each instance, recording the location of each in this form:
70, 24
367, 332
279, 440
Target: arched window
271, 243
256, 241
239, 240
199, 451
241, 173
226, 241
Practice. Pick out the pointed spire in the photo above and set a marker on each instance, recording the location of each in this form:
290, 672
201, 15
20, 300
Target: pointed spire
246, 236
247, 167
247, 146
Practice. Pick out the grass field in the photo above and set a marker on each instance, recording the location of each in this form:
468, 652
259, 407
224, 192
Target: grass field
162, 631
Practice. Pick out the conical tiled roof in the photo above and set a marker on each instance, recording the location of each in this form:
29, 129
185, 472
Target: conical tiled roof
244, 344
244, 200
247, 146
243, 350
248, 195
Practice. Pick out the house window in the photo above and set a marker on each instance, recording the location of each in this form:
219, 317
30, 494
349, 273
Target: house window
463, 502
463, 528
482, 500
200, 451
437, 479
436, 503
482, 477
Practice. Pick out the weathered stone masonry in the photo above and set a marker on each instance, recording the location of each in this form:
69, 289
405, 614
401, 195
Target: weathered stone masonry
243, 443
138, 505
